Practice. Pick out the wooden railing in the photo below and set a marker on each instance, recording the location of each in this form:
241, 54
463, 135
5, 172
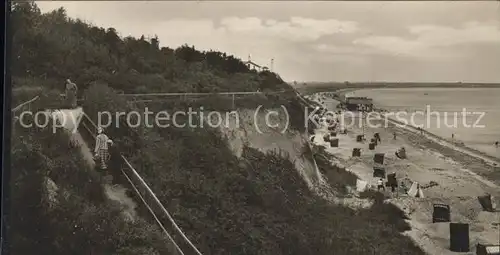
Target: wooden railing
147, 197
21, 106
27, 103
202, 94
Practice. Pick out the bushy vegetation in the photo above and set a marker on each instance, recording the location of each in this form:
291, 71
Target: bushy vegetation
256, 204
76, 218
52, 47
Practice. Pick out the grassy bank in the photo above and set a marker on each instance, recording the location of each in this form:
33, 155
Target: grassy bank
257, 204
71, 216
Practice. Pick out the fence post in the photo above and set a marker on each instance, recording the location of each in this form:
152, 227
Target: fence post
233, 102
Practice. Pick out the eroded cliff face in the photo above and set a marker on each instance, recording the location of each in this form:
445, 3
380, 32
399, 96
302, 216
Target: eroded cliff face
250, 129
241, 130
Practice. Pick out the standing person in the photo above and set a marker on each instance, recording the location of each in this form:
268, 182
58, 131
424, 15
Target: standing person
377, 138
71, 91
452, 136
101, 148
496, 144
380, 184
394, 135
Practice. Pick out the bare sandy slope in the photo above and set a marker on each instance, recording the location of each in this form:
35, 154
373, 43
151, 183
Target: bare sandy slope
458, 186
252, 131
265, 138
69, 119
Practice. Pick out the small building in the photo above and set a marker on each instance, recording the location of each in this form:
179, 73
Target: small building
252, 66
359, 104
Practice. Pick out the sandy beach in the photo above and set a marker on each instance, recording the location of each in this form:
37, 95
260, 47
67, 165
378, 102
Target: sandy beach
460, 176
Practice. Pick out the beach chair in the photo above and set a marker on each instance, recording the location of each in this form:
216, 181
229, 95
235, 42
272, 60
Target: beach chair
326, 138
486, 249
459, 237
371, 146
486, 203
379, 158
359, 138
441, 213
379, 171
401, 153
356, 152
334, 142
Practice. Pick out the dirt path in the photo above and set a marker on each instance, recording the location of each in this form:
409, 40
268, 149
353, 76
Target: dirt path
115, 192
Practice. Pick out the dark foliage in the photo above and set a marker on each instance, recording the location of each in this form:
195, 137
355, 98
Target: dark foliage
257, 204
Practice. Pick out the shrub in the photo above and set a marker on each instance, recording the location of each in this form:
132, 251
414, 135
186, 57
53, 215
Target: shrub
226, 205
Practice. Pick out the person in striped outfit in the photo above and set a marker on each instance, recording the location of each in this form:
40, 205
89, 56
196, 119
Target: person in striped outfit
101, 148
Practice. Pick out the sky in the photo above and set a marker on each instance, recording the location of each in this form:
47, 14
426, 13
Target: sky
321, 41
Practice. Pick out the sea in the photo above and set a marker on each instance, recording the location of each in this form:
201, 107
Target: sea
467, 115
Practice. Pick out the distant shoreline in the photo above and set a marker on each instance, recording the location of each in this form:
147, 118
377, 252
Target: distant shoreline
462, 148
312, 88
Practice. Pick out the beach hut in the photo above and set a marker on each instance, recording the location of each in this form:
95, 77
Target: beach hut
358, 103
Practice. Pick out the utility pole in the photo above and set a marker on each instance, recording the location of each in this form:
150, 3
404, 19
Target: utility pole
233, 105
363, 122
363, 111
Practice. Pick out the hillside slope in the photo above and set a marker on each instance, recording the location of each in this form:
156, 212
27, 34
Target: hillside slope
251, 202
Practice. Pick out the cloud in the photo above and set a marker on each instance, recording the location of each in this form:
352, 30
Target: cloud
344, 50
317, 40
472, 32
393, 45
331, 53
295, 29
431, 41
190, 28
